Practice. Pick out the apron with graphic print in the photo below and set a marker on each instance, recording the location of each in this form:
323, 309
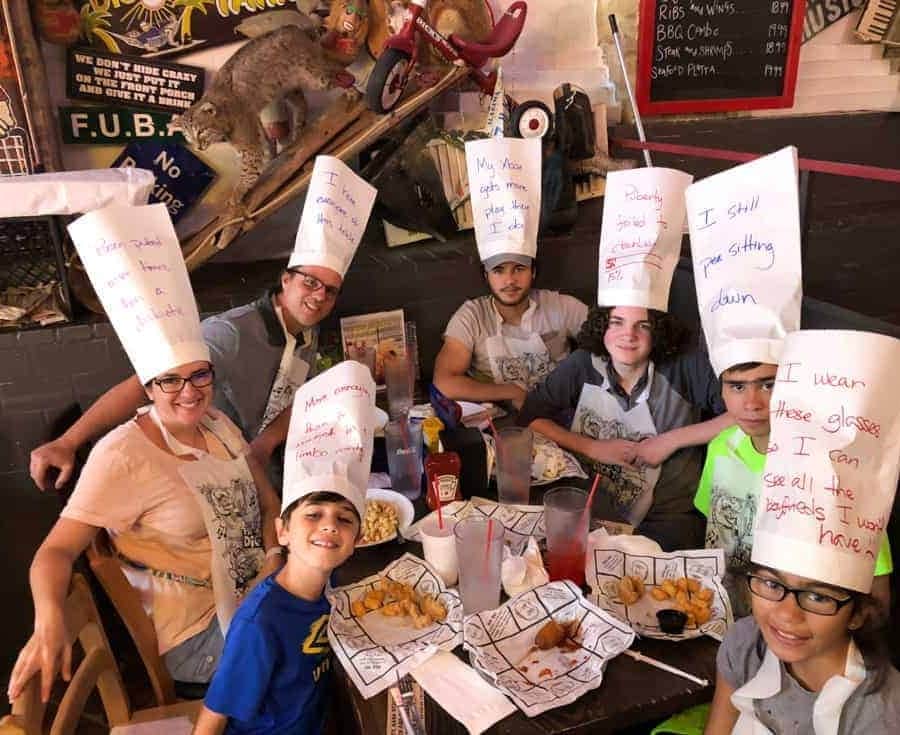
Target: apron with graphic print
292, 372
600, 416
228, 498
525, 362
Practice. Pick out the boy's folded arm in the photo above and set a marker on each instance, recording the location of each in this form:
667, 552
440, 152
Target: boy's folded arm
209, 722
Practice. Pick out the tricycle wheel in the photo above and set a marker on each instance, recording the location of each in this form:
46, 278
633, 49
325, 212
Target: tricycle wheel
532, 119
388, 80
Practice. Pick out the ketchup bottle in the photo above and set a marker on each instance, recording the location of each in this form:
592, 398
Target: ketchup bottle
442, 471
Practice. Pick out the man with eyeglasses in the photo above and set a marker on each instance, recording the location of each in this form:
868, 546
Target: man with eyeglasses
263, 351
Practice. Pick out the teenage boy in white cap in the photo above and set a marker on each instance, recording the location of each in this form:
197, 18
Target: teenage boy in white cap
747, 273
272, 674
264, 350
639, 398
497, 347
809, 659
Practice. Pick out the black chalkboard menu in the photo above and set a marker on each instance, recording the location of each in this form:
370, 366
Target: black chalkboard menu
715, 55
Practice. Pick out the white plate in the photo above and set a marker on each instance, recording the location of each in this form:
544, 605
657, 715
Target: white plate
405, 512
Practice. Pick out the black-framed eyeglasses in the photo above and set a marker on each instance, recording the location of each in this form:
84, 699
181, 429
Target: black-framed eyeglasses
314, 284
809, 600
175, 383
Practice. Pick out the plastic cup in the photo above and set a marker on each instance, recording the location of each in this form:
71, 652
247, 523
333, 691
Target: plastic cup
439, 546
366, 355
514, 465
398, 379
479, 563
403, 441
566, 533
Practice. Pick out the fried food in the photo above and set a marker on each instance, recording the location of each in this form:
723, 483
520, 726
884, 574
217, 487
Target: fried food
550, 635
399, 600
631, 589
380, 521
689, 596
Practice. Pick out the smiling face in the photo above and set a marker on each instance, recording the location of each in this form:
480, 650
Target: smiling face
308, 294
510, 282
628, 338
747, 394
185, 408
320, 534
800, 638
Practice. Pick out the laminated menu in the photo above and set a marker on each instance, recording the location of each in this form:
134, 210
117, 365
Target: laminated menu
520, 521
635, 586
512, 646
378, 646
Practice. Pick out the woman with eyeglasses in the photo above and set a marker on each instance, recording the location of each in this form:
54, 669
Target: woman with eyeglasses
183, 503
797, 659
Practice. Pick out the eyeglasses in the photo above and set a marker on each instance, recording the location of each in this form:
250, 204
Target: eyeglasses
809, 600
175, 383
314, 284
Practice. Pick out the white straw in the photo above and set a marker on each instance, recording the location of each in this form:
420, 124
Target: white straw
665, 667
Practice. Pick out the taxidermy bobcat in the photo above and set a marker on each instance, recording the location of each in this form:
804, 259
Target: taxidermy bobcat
277, 65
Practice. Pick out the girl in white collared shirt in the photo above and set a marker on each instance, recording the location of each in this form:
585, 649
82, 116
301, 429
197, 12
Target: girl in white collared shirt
809, 663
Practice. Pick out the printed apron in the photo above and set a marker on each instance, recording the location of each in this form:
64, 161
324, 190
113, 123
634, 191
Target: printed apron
291, 374
826, 710
732, 510
525, 362
227, 495
600, 416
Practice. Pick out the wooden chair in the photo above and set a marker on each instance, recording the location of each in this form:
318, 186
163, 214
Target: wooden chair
127, 603
97, 669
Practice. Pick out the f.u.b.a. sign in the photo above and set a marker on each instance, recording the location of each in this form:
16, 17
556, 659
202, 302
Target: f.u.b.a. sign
109, 125
181, 177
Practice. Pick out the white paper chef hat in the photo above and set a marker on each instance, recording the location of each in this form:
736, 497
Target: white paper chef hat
134, 261
505, 191
745, 245
834, 457
337, 208
329, 443
640, 239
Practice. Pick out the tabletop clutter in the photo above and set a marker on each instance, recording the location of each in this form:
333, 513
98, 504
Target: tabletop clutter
539, 601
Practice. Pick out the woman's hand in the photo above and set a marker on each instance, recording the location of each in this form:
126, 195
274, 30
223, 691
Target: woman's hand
610, 451
48, 650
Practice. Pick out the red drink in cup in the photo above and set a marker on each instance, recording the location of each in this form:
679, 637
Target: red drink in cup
566, 533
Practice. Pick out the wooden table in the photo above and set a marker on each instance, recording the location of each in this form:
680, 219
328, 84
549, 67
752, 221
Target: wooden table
632, 693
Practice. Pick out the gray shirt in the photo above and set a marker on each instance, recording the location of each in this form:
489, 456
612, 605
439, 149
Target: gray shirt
790, 711
246, 344
554, 316
684, 391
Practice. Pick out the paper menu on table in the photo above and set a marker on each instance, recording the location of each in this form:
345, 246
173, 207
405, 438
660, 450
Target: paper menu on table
501, 644
640, 240
745, 246
607, 563
377, 650
134, 261
505, 192
832, 463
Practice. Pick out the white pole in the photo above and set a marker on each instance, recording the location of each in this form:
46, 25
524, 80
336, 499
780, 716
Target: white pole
634, 108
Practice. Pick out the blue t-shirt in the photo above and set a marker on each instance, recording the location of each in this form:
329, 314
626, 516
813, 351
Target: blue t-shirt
270, 679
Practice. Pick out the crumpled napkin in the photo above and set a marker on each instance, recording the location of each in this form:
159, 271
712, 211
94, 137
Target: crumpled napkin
628, 544
525, 572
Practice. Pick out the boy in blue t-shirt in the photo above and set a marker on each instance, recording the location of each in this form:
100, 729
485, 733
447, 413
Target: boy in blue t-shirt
271, 678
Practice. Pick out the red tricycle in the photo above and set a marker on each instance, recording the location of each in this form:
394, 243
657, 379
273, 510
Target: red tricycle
398, 58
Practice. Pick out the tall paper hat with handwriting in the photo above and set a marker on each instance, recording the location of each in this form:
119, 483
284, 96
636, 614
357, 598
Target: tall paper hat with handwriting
329, 443
834, 456
134, 261
335, 213
505, 191
745, 245
640, 239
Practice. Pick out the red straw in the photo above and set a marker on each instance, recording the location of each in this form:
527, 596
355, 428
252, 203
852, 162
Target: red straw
487, 545
437, 502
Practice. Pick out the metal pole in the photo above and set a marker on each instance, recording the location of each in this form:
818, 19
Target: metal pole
637, 115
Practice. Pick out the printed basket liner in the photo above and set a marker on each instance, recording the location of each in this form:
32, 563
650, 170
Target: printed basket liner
605, 567
501, 646
549, 461
376, 650
519, 521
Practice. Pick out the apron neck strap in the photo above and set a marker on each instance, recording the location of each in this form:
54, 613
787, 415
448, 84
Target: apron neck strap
176, 446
